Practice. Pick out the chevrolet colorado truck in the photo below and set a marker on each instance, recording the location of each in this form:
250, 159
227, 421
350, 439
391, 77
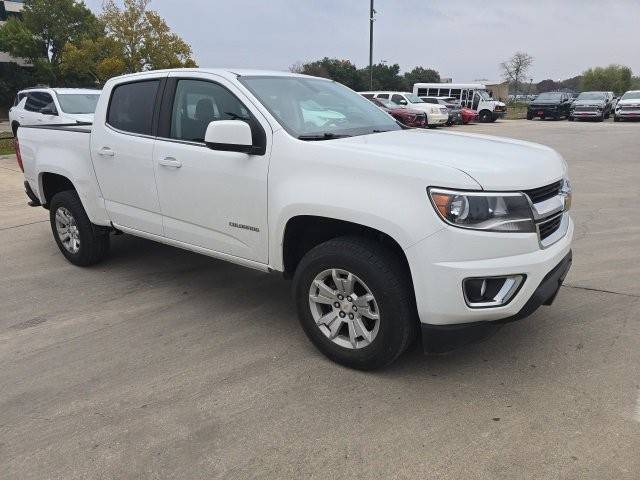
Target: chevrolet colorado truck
388, 233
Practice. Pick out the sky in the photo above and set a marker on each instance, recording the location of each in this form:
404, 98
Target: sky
462, 39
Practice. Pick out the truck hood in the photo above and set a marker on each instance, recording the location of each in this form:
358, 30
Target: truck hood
589, 103
493, 162
629, 102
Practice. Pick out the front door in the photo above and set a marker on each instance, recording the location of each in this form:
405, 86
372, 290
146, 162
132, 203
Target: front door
122, 154
210, 198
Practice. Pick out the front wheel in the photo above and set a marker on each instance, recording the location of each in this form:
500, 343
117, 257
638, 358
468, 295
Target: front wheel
355, 302
485, 116
616, 118
80, 241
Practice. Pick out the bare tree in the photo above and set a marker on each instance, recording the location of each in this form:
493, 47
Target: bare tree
516, 68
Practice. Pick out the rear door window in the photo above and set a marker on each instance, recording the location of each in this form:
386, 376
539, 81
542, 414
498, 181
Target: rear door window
36, 101
131, 106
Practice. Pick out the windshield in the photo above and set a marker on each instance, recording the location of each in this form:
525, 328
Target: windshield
591, 96
78, 103
315, 107
384, 103
631, 95
484, 95
413, 98
548, 96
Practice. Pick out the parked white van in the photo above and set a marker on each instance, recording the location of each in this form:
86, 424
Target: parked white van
470, 95
436, 114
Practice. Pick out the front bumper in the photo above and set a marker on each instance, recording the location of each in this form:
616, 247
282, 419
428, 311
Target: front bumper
627, 113
543, 112
437, 118
441, 262
587, 114
443, 338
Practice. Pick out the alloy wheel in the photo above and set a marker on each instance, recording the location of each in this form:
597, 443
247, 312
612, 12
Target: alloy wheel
67, 230
344, 308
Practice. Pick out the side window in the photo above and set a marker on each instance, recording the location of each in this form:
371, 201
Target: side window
399, 99
197, 103
432, 92
131, 106
18, 99
36, 101
383, 95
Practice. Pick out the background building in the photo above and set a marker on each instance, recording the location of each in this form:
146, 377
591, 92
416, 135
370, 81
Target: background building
10, 9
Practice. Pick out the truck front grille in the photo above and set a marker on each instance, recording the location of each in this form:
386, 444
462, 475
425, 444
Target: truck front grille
541, 194
548, 227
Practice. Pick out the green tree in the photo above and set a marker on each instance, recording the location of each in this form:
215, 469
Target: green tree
92, 61
145, 40
420, 75
615, 78
44, 30
342, 71
385, 77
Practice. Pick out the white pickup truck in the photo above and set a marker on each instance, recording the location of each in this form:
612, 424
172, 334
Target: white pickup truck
388, 233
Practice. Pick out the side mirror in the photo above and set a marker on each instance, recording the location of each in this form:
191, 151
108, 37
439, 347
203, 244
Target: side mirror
229, 136
49, 110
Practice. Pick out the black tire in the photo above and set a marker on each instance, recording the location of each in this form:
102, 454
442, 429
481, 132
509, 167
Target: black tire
386, 277
14, 128
616, 118
485, 116
529, 116
570, 118
94, 240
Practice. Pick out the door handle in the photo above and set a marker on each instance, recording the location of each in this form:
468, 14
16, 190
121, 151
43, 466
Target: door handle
170, 162
106, 152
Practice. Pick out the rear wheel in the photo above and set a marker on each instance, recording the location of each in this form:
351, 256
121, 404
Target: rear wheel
80, 241
616, 118
355, 302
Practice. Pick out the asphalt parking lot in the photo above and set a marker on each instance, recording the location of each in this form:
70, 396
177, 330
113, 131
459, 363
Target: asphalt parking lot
160, 363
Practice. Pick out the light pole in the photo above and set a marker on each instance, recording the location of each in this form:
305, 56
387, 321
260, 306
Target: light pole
371, 20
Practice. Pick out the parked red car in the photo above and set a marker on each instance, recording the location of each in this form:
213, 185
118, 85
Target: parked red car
468, 115
406, 116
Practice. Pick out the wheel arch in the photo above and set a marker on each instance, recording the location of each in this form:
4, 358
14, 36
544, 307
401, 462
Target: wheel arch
304, 232
51, 183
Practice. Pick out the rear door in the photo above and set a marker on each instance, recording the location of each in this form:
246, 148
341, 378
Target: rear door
210, 198
122, 153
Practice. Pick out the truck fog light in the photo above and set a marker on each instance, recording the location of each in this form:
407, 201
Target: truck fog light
486, 292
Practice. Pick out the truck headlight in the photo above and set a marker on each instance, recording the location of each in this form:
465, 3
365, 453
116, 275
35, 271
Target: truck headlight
487, 211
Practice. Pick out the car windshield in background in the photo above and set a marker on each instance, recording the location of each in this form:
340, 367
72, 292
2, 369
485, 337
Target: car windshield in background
78, 103
548, 97
386, 103
635, 95
413, 98
591, 96
316, 109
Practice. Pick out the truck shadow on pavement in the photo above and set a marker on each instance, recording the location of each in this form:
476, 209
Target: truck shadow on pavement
214, 289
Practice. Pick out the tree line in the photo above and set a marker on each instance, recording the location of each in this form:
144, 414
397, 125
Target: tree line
385, 76
67, 45
614, 78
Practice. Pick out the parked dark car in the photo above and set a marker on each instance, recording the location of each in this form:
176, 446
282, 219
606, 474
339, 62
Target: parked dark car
595, 105
406, 116
549, 105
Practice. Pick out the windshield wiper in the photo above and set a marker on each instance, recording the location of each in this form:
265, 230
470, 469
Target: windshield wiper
322, 136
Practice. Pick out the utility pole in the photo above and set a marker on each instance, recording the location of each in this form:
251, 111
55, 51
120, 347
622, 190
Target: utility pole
371, 20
